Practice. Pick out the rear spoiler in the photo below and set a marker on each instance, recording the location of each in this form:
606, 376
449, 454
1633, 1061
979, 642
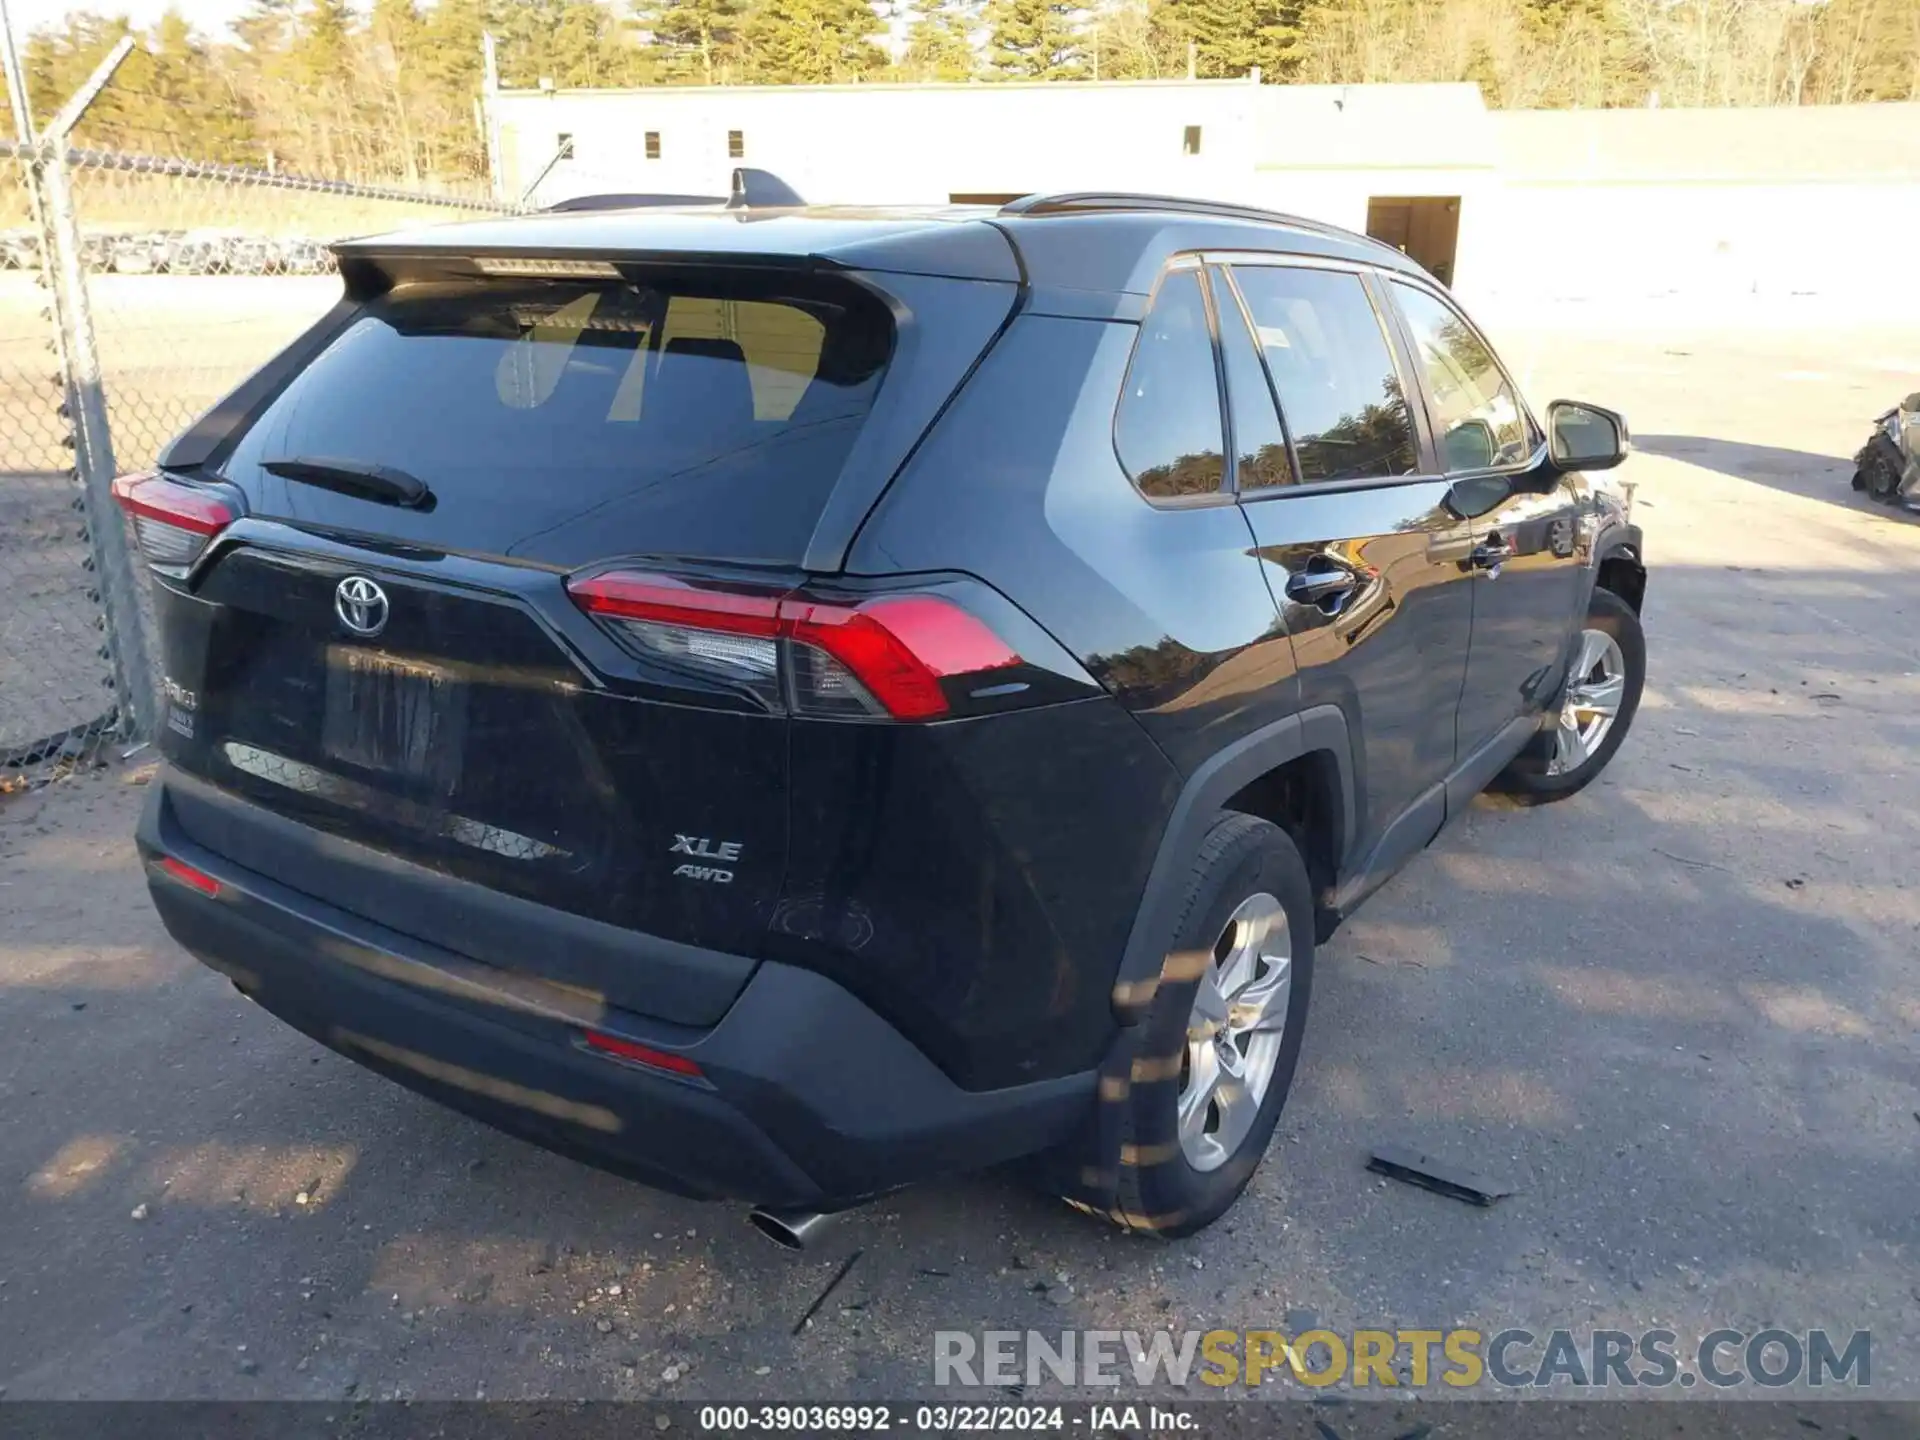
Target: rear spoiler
751, 190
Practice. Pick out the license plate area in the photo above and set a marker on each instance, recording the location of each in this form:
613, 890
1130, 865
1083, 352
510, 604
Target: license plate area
401, 718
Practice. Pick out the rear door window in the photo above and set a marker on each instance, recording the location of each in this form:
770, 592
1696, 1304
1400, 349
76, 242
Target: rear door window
1260, 458
1333, 371
545, 418
1477, 411
1168, 430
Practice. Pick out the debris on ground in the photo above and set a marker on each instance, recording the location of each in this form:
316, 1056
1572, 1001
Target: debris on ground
832, 1285
1697, 864
1439, 1176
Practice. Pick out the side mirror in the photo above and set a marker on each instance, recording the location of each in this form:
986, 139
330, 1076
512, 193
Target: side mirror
1469, 445
1586, 437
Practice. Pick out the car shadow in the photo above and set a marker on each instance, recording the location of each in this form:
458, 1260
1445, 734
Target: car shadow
1796, 472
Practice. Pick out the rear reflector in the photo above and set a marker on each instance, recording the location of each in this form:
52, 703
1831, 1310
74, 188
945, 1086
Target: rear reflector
188, 876
173, 522
881, 659
640, 1054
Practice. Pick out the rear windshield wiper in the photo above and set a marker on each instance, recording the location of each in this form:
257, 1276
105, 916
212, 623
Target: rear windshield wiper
356, 477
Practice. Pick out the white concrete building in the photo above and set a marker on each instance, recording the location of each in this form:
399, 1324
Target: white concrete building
1515, 208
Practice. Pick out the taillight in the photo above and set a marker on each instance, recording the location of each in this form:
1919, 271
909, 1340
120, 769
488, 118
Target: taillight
896, 650
728, 635
633, 1054
173, 522
882, 658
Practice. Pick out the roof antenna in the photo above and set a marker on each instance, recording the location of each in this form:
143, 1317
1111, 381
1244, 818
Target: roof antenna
761, 190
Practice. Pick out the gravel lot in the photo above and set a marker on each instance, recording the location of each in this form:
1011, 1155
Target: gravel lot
1679, 1013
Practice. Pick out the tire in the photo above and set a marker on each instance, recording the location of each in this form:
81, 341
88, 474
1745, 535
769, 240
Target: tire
1247, 877
1546, 770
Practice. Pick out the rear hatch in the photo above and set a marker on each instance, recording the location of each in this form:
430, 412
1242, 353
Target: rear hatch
383, 645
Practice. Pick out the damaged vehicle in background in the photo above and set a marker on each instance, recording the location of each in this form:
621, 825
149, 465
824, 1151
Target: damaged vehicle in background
1888, 465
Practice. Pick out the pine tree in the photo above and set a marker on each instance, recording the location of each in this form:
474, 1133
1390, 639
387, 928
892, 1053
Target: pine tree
183, 102
322, 47
265, 25
809, 42
1127, 41
1034, 39
940, 41
1232, 37
393, 33
1870, 50
573, 43
58, 63
699, 37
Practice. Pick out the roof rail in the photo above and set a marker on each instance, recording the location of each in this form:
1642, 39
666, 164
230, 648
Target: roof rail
1081, 202
751, 190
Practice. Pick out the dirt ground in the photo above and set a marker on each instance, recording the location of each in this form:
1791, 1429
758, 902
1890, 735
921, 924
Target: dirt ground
1680, 1013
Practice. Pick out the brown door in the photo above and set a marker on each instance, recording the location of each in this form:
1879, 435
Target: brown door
1427, 227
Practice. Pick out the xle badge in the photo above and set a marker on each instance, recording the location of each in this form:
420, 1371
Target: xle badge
704, 849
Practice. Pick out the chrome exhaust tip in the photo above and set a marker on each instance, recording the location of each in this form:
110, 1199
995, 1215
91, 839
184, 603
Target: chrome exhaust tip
790, 1229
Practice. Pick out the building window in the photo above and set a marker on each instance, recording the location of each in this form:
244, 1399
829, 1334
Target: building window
1191, 143
564, 144
653, 144
736, 144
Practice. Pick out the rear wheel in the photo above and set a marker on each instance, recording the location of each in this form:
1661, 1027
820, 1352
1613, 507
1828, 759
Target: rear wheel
1604, 682
1222, 1036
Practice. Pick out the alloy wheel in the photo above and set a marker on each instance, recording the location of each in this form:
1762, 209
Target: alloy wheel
1235, 1032
1597, 685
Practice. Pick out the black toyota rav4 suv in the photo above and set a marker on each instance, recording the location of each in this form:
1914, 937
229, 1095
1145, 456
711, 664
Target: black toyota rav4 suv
783, 705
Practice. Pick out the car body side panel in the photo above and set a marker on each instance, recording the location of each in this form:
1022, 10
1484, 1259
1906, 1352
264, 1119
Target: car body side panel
1316, 730
1020, 485
974, 881
1393, 658
1526, 609
941, 330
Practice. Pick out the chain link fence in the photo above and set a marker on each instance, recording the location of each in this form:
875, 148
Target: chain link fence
135, 291
57, 693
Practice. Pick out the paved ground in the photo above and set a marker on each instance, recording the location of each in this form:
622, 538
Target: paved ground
1679, 1012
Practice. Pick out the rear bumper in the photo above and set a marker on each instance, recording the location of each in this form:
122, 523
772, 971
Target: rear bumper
807, 1097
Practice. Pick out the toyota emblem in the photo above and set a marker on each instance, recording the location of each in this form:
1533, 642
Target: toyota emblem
361, 606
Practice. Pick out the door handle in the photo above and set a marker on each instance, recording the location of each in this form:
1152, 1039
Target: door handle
1320, 586
1490, 554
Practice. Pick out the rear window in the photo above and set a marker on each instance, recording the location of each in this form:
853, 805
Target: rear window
559, 422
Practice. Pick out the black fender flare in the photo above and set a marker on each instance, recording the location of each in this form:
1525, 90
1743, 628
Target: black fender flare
1084, 1170
1618, 541
1201, 799
1622, 541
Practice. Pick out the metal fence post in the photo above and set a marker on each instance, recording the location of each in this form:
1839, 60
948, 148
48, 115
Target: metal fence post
113, 563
